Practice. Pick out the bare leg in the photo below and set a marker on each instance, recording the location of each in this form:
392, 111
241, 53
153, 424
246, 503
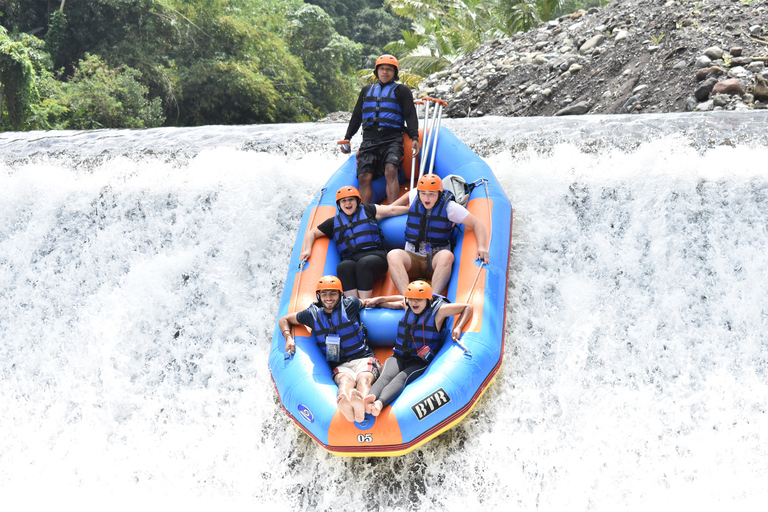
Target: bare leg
399, 265
346, 384
364, 184
364, 294
354, 293
393, 187
442, 263
364, 382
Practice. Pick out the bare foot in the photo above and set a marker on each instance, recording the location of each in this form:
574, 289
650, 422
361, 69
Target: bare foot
356, 399
368, 402
345, 407
376, 408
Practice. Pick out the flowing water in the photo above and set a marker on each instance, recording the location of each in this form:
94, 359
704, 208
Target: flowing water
140, 273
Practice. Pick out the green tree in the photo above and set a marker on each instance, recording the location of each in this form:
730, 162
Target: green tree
329, 58
98, 96
22, 65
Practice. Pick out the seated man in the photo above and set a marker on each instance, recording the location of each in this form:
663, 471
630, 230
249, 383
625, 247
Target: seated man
336, 325
428, 230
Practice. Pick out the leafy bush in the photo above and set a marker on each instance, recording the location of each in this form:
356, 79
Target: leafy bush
100, 97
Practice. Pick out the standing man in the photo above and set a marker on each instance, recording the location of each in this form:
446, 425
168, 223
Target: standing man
385, 109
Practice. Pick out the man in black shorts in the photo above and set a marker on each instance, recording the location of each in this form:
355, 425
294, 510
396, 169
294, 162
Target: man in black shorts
385, 110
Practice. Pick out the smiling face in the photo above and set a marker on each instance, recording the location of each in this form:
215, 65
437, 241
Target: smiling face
417, 305
329, 299
428, 198
348, 205
385, 73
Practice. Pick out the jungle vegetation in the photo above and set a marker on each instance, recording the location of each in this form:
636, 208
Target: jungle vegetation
146, 63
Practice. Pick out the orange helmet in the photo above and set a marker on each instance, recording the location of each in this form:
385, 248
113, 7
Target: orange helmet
387, 59
348, 192
419, 290
329, 283
430, 182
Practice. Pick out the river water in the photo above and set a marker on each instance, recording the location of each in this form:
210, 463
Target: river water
140, 277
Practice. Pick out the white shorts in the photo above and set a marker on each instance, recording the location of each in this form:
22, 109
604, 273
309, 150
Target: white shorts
357, 366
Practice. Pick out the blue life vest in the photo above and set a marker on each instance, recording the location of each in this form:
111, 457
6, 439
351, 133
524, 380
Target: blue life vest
414, 331
351, 333
433, 228
380, 107
356, 233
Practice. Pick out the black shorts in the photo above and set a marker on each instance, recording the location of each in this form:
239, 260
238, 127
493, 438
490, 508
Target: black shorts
373, 155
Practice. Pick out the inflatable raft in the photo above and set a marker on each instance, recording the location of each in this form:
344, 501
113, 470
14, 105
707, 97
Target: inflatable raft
456, 379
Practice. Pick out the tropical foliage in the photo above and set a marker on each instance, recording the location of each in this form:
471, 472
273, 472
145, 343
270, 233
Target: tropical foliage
144, 63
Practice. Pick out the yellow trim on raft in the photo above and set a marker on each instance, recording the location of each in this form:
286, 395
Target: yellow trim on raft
397, 453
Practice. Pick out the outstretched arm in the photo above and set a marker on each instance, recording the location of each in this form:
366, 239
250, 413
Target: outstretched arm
481, 235
384, 211
447, 310
285, 324
387, 301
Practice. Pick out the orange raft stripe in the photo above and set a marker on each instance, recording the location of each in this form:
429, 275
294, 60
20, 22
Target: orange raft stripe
469, 270
386, 429
313, 270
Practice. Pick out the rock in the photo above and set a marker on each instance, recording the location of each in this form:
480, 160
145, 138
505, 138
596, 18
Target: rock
702, 92
736, 51
592, 43
714, 52
731, 87
705, 73
621, 35
576, 109
703, 62
630, 104
720, 100
680, 64
459, 86
760, 89
705, 107
741, 61
756, 67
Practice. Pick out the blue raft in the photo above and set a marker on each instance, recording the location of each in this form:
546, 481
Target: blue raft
455, 379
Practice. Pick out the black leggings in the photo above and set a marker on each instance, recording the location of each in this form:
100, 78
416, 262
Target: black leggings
395, 375
361, 270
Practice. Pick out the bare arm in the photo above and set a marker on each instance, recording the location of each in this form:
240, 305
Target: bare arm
402, 200
285, 324
309, 240
481, 235
387, 301
384, 211
447, 310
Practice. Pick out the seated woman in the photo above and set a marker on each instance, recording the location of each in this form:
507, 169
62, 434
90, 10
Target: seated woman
420, 335
357, 236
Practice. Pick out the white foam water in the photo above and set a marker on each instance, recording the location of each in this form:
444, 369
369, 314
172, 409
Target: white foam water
139, 283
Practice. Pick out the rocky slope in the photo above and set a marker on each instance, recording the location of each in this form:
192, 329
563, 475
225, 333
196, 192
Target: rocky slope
631, 56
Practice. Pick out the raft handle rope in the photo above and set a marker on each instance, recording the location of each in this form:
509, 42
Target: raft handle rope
468, 352
301, 265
